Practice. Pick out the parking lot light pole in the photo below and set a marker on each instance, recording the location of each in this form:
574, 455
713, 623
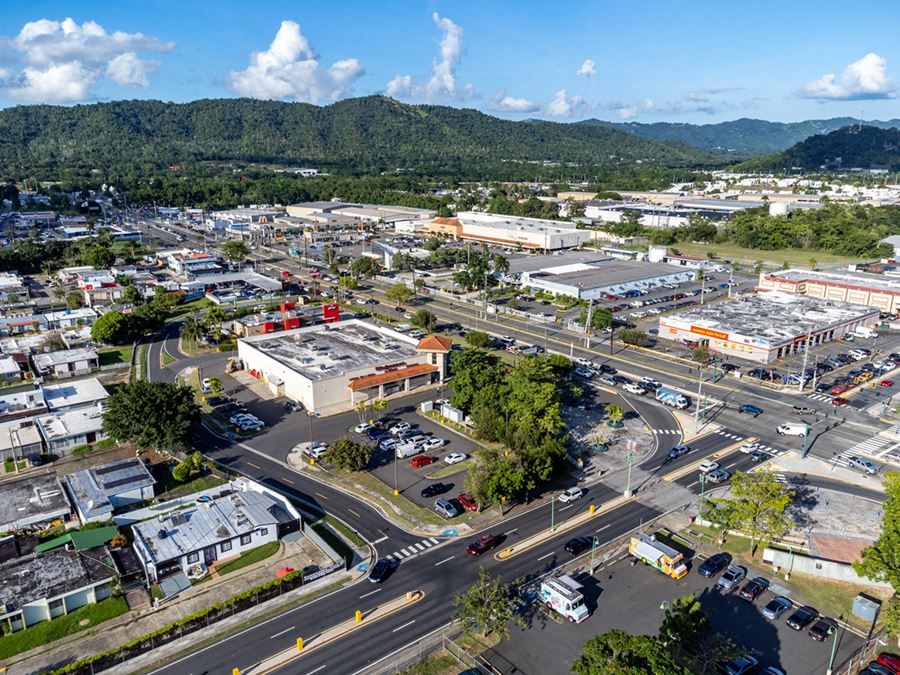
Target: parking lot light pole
703, 479
805, 451
630, 457
834, 643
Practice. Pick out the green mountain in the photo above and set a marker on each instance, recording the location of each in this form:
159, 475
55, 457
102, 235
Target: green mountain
851, 147
739, 138
360, 135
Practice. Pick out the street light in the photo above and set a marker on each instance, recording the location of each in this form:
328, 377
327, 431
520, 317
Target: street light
630, 457
703, 480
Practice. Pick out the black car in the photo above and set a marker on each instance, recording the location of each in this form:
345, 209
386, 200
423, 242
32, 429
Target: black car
579, 545
714, 564
759, 456
822, 388
434, 489
821, 629
621, 379
802, 617
754, 588
608, 369
380, 571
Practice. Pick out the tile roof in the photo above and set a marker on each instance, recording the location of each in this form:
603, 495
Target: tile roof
391, 376
435, 343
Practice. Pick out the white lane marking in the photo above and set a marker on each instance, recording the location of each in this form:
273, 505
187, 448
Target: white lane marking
603, 528
286, 630
692, 485
515, 529
419, 547
655, 468
408, 623
316, 670
432, 540
378, 541
407, 551
366, 595
444, 560
547, 555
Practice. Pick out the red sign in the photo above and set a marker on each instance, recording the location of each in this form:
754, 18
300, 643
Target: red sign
331, 312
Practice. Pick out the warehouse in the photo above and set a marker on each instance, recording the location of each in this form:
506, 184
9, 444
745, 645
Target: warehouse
873, 290
530, 233
593, 275
765, 327
332, 367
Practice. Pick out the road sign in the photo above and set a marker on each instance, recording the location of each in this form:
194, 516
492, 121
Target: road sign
632, 445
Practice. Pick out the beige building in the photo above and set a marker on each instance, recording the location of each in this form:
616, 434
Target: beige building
872, 290
530, 233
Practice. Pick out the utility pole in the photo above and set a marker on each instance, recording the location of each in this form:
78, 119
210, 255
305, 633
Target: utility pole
630, 457
552, 513
702, 289
805, 361
809, 427
697, 404
587, 324
703, 479
593, 551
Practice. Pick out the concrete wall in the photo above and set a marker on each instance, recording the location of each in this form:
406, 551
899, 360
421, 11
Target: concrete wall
827, 569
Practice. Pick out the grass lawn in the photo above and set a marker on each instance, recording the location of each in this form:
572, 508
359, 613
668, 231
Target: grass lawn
834, 597
43, 633
254, 555
111, 356
345, 531
167, 358
436, 664
166, 483
450, 469
197, 305
338, 544
792, 256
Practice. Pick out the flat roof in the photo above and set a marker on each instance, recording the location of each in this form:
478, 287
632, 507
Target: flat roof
876, 282
771, 318
503, 222
330, 350
69, 423
192, 529
19, 433
74, 393
252, 278
51, 574
64, 356
533, 263
608, 273
91, 488
30, 500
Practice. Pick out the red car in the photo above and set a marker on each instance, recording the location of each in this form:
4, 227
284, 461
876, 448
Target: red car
467, 502
485, 543
891, 661
837, 400
839, 389
422, 460
886, 383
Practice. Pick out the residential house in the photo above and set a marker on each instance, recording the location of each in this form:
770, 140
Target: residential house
63, 431
99, 490
11, 288
221, 528
10, 370
74, 394
66, 363
99, 287
191, 263
20, 439
23, 323
32, 502
70, 318
23, 400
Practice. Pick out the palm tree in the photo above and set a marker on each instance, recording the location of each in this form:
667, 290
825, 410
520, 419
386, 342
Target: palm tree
615, 414
192, 330
380, 405
214, 318
361, 408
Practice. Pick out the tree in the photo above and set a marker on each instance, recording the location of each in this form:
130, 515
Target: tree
500, 264
632, 336
112, 328
132, 296
683, 625
600, 317
425, 320
711, 651
487, 606
348, 282
364, 267
757, 506
380, 405
812, 262
618, 653
701, 355
475, 372
192, 330
881, 560
890, 615
215, 316
74, 300
348, 455
398, 294
215, 386
361, 407
158, 415
478, 339
614, 414
58, 291
235, 251
99, 257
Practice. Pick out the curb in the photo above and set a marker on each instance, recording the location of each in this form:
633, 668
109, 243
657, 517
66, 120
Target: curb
718, 454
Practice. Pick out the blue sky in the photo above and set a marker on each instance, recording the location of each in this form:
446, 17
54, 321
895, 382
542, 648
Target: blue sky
645, 61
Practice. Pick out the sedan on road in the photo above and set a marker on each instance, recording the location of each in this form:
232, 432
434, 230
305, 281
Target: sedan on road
750, 410
718, 476
482, 545
678, 450
434, 489
572, 494
838, 400
455, 457
863, 465
579, 545
886, 383
776, 607
380, 571
802, 617
714, 564
732, 577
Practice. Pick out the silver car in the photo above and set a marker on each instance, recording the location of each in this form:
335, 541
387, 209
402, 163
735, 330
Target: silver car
731, 577
863, 465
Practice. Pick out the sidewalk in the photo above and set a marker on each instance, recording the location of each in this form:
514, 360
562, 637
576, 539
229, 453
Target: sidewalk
813, 466
133, 624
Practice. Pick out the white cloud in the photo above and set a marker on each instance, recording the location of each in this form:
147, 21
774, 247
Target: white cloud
289, 68
588, 68
564, 105
863, 79
503, 103
442, 84
64, 59
693, 104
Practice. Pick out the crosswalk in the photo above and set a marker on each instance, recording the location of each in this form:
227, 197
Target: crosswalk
728, 434
673, 432
768, 449
414, 549
820, 397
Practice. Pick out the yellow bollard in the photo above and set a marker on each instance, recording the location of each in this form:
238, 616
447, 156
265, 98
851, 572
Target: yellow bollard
299, 644
592, 509
396, 492
235, 671
409, 595
312, 461
358, 616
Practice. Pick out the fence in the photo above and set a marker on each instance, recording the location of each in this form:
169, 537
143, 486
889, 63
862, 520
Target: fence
440, 641
863, 655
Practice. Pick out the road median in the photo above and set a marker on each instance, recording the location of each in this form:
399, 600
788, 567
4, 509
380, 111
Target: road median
718, 454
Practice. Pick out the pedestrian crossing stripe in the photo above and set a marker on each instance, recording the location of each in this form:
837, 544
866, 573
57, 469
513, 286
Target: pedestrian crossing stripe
666, 431
820, 397
728, 434
414, 549
870, 446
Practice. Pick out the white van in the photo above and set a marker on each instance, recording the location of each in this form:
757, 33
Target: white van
792, 429
865, 332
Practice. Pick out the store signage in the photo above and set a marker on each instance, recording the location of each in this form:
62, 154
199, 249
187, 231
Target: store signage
708, 332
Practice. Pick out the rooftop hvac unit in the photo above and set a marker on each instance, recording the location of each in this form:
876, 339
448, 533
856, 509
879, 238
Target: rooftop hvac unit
162, 534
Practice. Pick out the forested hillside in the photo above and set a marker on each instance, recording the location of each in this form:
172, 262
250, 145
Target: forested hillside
362, 135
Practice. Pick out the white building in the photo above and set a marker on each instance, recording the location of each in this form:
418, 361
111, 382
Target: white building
99, 490
11, 287
66, 363
63, 431
70, 318
530, 233
330, 367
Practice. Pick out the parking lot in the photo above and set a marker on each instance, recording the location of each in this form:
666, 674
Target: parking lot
630, 598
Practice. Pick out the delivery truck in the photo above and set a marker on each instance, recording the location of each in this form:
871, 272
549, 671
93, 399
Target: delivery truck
672, 398
664, 558
563, 596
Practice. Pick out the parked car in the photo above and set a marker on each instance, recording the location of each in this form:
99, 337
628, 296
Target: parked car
433, 443
678, 450
754, 588
731, 577
740, 665
714, 564
445, 508
455, 457
891, 661
434, 489
481, 545
776, 607
579, 545
421, 460
363, 428
380, 571
801, 618
875, 668
317, 449
750, 410
821, 629
571, 494
387, 443
466, 502
397, 427
863, 465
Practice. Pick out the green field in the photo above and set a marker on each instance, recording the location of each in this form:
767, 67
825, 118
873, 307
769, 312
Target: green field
110, 356
792, 256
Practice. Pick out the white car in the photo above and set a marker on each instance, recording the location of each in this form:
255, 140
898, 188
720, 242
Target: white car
708, 466
656, 384
455, 457
748, 448
317, 449
398, 427
388, 444
204, 384
586, 373
584, 363
442, 401
239, 418
636, 389
433, 443
360, 301
571, 494
252, 426
363, 428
